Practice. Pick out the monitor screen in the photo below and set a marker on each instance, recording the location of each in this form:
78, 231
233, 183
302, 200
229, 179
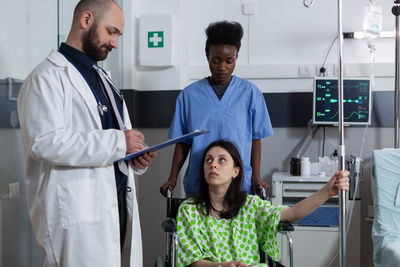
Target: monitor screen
356, 101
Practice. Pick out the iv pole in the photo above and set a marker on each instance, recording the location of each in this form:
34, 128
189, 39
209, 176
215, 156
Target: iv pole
341, 147
396, 12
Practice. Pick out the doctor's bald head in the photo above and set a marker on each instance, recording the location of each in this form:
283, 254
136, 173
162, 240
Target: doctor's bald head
98, 7
96, 27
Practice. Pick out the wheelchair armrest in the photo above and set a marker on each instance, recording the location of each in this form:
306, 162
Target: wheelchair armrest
169, 225
285, 227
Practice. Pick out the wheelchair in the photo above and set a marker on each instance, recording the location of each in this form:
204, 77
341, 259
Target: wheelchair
169, 226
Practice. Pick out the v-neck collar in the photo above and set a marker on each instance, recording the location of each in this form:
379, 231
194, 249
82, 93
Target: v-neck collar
226, 95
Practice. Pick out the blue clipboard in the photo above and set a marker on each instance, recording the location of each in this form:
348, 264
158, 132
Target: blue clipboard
165, 144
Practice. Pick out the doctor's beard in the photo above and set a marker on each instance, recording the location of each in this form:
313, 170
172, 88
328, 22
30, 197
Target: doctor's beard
91, 45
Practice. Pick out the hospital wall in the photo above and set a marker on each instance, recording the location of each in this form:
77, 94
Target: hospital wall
281, 39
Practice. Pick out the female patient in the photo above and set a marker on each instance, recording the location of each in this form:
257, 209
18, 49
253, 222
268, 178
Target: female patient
223, 226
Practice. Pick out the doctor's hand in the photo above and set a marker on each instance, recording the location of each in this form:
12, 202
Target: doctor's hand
143, 161
340, 180
134, 141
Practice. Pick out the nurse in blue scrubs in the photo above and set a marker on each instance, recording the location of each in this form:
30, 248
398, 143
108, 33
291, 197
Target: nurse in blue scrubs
229, 107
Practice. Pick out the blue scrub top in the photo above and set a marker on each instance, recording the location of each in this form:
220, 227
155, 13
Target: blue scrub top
239, 117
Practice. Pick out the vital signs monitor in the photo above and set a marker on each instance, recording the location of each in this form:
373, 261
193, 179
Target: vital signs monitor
356, 101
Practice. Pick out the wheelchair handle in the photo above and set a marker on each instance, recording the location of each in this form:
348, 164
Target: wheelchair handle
169, 203
263, 193
169, 193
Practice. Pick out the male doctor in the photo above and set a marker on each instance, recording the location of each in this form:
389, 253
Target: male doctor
74, 126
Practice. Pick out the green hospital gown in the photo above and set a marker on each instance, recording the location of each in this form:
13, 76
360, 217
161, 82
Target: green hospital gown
221, 240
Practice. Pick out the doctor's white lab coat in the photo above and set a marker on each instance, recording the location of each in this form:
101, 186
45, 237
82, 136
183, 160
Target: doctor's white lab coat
70, 181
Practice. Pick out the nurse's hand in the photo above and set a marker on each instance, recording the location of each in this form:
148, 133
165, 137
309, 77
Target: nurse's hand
257, 185
170, 184
134, 141
143, 161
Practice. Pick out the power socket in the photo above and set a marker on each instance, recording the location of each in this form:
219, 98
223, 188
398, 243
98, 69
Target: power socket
13, 190
306, 70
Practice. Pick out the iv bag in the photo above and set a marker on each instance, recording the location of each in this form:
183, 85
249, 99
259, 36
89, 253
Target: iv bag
372, 24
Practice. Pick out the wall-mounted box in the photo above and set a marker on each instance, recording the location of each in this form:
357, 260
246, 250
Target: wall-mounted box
156, 48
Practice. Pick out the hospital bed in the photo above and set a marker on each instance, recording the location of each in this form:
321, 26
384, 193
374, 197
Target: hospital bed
386, 225
169, 227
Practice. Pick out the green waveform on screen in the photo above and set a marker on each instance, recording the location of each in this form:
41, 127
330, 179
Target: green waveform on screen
360, 116
333, 100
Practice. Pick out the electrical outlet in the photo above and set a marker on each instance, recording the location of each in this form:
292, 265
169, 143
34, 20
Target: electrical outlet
306, 71
13, 190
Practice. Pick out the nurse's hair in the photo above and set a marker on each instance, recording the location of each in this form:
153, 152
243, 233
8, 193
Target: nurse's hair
235, 197
224, 33
98, 7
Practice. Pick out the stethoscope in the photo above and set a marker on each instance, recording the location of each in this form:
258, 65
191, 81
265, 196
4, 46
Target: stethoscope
103, 108
100, 107
120, 96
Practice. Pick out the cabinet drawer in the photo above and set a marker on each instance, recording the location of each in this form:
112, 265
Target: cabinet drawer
300, 189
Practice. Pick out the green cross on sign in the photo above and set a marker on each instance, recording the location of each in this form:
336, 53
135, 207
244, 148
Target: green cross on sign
155, 39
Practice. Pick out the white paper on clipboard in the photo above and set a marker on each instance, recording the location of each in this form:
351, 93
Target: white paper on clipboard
165, 144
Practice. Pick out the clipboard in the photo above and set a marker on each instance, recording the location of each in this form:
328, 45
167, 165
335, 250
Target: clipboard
165, 144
